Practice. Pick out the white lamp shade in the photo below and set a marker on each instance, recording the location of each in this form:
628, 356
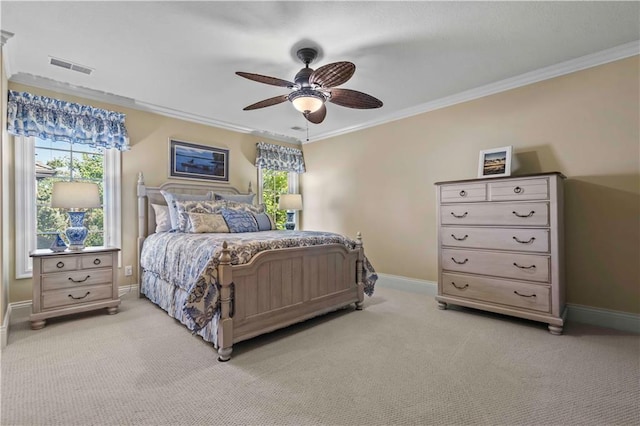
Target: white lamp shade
307, 103
75, 195
290, 202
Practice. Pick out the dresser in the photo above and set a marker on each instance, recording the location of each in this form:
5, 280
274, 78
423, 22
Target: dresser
501, 247
73, 281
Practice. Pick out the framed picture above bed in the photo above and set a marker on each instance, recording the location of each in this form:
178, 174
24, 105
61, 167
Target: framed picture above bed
495, 162
191, 161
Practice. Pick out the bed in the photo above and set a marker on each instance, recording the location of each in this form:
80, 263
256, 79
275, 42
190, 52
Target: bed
229, 287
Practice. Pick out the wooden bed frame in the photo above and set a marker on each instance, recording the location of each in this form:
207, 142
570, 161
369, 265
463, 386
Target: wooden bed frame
276, 288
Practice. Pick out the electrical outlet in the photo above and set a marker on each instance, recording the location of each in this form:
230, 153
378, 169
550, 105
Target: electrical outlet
128, 271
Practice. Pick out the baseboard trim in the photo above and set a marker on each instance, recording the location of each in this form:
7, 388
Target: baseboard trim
623, 321
4, 329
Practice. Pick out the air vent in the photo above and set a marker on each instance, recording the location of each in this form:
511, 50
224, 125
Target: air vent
70, 65
298, 128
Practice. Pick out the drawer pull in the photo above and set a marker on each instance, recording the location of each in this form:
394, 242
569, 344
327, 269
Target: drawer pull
97, 262
459, 288
80, 281
463, 193
464, 261
81, 297
524, 267
524, 295
60, 265
517, 190
524, 215
460, 217
461, 239
532, 239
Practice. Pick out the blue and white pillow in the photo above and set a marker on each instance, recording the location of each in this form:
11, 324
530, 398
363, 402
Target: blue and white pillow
264, 221
172, 200
240, 221
238, 198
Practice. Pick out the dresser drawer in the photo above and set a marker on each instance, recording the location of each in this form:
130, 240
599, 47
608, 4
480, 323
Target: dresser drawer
75, 296
512, 214
96, 261
76, 279
59, 264
463, 193
526, 239
512, 293
528, 189
508, 265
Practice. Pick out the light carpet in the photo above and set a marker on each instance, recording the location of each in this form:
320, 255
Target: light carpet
400, 361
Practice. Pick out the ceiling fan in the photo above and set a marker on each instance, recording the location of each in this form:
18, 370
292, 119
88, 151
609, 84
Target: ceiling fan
311, 89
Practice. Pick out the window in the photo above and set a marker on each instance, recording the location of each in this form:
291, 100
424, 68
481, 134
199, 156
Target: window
272, 183
41, 162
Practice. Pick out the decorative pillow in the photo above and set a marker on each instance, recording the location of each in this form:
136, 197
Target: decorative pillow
172, 199
206, 223
238, 198
191, 206
163, 222
240, 221
264, 221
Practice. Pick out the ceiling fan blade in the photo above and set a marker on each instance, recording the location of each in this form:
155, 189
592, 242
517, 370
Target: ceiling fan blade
316, 117
266, 79
354, 99
267, 102
332, 75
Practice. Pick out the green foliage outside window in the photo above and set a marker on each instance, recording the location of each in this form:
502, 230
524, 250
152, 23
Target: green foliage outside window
274, 183
50, 221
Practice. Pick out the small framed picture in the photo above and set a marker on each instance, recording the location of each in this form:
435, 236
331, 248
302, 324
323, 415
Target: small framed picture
495, 162
190, 161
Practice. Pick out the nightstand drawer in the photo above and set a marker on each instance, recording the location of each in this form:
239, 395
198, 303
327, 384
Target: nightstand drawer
95, 261
511, 293
76, 279
508, 265
529, 189
511, 214
59, 264
463, 193
75, 296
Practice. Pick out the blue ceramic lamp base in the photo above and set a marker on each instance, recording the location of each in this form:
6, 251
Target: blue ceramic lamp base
77, 232
290, 225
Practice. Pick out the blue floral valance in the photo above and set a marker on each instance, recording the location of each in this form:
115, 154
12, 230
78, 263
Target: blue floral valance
53, 119
278, 157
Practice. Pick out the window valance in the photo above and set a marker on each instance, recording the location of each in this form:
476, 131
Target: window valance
278, 157
53, 119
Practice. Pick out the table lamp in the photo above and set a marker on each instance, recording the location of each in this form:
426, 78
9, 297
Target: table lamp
290, 202
75, 195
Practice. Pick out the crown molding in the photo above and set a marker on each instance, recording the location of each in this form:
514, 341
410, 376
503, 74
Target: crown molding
588, 61
4, 36
599, 58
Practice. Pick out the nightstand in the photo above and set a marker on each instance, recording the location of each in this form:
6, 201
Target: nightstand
69, 282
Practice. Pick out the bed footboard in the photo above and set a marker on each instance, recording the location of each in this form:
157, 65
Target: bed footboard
283, 287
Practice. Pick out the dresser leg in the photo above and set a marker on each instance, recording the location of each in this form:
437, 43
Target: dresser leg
37, 325
442, 305
112, 310
555, 330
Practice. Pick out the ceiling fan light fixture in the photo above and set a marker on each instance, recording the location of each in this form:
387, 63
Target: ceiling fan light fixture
306, 100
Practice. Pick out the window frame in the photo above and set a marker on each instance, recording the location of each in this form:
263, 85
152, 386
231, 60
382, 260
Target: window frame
25, 203
294, 185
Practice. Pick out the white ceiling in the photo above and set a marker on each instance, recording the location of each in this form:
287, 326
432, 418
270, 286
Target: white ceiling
179, 58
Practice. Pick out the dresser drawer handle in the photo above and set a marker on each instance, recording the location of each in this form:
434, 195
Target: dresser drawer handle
532, 239
81, 297
80, 281
459, 288
60, 265
517, 190
459, 217
459, 263
524, 215
524, 267
460, 239
524, 295
97, 262
463, 193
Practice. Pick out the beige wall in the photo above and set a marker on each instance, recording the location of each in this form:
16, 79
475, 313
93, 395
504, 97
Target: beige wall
380, 181
149, 134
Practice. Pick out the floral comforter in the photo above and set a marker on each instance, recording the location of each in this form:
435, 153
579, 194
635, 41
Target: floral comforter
190, 261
